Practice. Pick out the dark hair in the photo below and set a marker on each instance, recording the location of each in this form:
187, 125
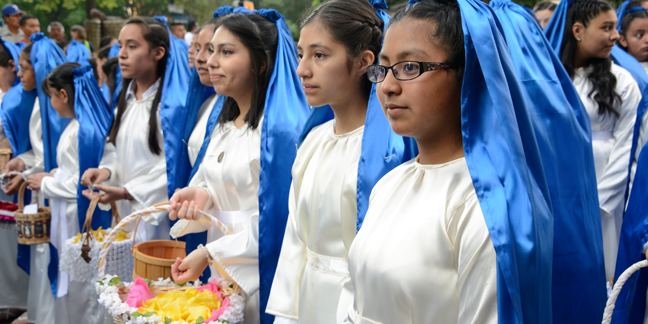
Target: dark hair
629, 17
81, 32
5, 56
156, 35
600, 75
259, 36
26, 53
62, 44
105, 41
93, 64
447, 34
61, 77
23, 20
110, 71
546, 5
354, 24
104, 52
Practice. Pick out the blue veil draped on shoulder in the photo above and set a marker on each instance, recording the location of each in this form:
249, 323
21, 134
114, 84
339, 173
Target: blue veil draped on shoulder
504, 162
95, 118
114, 51
45, 57
562, 130
78, 52
279, 135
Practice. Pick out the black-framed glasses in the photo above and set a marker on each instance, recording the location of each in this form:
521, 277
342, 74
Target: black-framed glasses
406, 70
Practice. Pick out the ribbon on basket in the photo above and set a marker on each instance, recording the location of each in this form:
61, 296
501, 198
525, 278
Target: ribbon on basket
164, 207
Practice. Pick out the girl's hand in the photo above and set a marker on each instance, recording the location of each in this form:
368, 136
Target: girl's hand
16, 164
111, 194
187, 203
94, 176
190, 268
34, 180
13, 186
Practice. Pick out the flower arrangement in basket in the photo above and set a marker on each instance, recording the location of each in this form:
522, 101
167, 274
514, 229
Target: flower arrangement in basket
163, 301
80, 255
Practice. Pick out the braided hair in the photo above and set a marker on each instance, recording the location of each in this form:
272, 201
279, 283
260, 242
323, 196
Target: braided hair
600, 75
352, 23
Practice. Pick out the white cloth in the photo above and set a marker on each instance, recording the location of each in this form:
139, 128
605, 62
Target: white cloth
644, 65
424, 253
230, 174
132, 88
33, 158
188, 37
13, 280
7, 35
2, 133
321, 225
40, 299
133, 166
611, 156
198, 134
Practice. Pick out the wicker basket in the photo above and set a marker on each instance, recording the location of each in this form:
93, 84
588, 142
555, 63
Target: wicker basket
35, 228
169, 250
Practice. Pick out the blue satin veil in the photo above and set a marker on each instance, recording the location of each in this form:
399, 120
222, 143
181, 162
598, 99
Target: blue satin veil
78, 52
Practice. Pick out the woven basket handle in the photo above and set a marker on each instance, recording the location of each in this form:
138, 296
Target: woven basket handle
21, 195
164, 207
609, 307
93, 205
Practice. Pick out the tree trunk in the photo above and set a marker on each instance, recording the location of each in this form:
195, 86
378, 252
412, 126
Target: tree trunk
89, 5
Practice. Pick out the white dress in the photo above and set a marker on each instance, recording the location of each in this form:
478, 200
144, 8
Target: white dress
611, 144
198, 134
33, 158
312, 270
133, 166
13, 279
76, 302
424, 253
230, 174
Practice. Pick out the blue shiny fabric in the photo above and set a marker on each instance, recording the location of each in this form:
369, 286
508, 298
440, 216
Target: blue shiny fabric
562, 130
382, 149
95, 118
621, 11
45, 56
105, 93
78, 52
181, 44
15, 112
631, 304
114, 51
172, 109
503, 159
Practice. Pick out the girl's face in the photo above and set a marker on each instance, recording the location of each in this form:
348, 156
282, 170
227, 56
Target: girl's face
543, 17
203, 53
230, 66
428, 105
598, 38
324, 67
26, 74
136, 58
192, 52
636, 39
60, 103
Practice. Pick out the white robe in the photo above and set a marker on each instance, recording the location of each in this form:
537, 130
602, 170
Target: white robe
312, 269
611, 144
198, 134
76, 302
644, 65
133, 166
13, 279
424, 253
33, 158
232, 181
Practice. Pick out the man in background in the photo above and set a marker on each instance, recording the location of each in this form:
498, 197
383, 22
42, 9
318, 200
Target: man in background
56, 31
29, 25
193, 27
11, 30
178, 30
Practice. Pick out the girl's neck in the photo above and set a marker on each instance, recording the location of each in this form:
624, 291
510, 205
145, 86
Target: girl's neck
350, 115
440, 148
244, 103
580, 61
143, 83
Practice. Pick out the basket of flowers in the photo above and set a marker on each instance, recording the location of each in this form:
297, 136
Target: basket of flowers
162, 300
80, 255
7, 219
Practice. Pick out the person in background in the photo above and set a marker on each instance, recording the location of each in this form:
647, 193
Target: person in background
56, 31
29, 25
193, 30
543, 12
79, 33
102, 57
107, 41
193, 48
11, 30
63, 45
178, 30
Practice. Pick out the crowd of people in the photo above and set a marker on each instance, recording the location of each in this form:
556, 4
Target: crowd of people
448, 161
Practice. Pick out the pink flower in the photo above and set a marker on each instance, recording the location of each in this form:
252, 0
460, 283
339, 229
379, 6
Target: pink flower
218, 312
213, 287
139, 293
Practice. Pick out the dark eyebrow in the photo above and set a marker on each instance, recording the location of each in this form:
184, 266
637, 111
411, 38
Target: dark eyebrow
404, 55
317, 45
224, 44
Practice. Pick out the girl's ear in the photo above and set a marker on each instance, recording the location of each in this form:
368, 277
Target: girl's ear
623, 41
64, 95
158, 53
365, 59
12, 66
578, 30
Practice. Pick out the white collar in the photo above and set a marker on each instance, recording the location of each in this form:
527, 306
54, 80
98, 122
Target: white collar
130, 92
